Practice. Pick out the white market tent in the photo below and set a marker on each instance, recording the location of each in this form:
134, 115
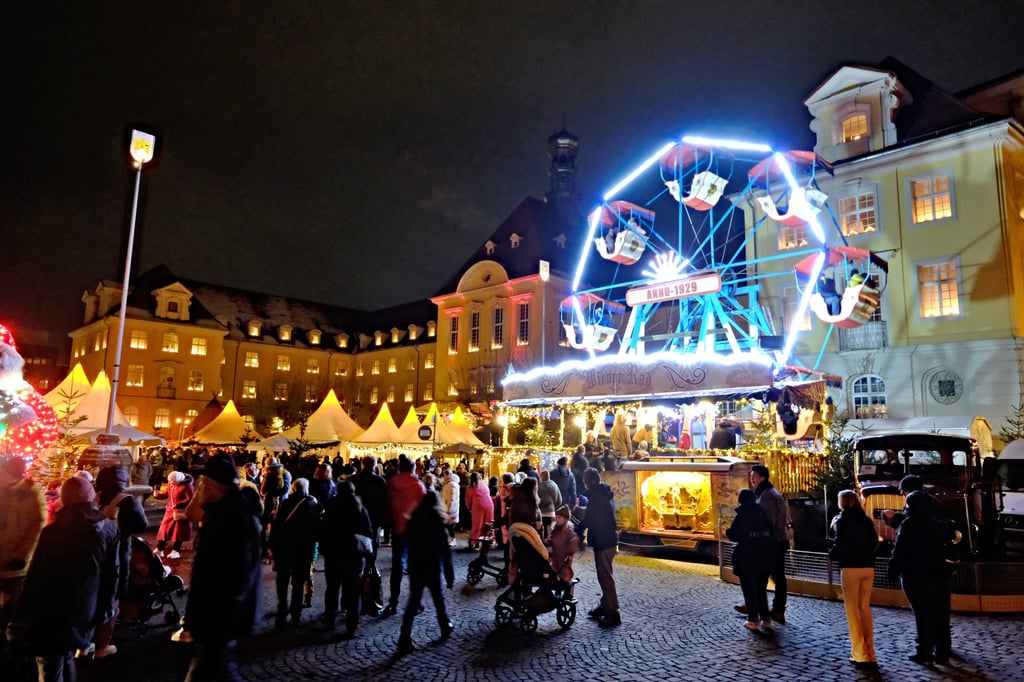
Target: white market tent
460, 429
329, 423
93, 406
75, 386
382, 430
408, 432
126, 435
227, 428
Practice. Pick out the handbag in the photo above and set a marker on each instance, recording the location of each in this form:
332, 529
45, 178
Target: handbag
363, 544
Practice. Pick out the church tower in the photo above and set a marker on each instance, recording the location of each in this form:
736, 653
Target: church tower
562, 148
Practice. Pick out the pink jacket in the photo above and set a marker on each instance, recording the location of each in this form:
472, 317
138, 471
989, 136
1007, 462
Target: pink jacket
404, 491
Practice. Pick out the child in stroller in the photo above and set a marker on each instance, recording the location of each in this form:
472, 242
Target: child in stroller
151, 587
480, 566
535, 586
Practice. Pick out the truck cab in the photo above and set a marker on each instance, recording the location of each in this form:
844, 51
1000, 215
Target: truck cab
1010, 474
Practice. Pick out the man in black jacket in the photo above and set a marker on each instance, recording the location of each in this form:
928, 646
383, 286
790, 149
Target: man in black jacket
225, 574
565, 481
293, 535
372, 490
603, 536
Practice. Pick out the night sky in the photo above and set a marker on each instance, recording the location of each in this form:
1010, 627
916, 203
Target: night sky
357, 153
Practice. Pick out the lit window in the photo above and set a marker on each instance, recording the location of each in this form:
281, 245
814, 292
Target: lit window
792, 237
854, 127
392, 365
939, 289
452, 391
285, 333
453, 336
198, 346
254, 328
284, 363
391, 394
472, 387
195, 380
375, 369
428, 362
490, 383
131, 413
394, 336
857, 214
411, 364
360, 371
313, 366
791, 302
252, 358
311, 394
374, 395
249, 422
249, 389
378, 338
140, 340
172, 306
162, 419
869, 397
134, 376
932, 198
166, 377
280, 391
170, 344
314, 337
190, 415
341, 371
342, 340
474, 331
409, 392
498, 337
524, 325
431, 329
428, 391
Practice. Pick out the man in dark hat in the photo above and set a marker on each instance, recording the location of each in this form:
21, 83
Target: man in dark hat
225, 574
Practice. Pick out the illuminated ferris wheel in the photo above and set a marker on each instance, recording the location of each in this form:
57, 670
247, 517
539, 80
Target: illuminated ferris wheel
669, 264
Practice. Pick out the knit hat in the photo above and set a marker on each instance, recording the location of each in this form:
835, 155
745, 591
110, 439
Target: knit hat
221, 468
176, 477
76, 489
563, 511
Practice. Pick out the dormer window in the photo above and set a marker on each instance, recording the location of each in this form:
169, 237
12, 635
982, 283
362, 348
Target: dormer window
431, 329
172, 308
284, 332
489, 247
378, 338
394, 335
854, 127
314, 337
514, 240
341, 340
413, 332
172, 302
253, 328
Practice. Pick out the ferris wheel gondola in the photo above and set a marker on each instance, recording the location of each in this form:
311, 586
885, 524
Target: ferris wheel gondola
590, 322
624, 227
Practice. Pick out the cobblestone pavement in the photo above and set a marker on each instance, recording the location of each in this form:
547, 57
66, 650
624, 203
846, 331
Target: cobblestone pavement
678, 624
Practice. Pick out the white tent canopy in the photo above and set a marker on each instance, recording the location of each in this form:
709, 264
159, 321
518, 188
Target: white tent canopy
327, 424
93, 406
382, 430
409, 431
227, 428
126, 435
74, 387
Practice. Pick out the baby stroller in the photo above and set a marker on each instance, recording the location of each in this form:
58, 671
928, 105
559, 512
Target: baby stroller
151, 588
480, 566
536, 588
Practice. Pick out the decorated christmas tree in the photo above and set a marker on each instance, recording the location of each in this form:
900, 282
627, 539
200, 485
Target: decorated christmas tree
28, 425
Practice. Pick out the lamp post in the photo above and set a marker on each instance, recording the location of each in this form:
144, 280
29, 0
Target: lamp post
545, 274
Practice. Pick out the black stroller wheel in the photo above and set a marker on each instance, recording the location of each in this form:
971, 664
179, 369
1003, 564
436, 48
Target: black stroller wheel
474, 575
528, 624
566, 614
502, 615
502, 578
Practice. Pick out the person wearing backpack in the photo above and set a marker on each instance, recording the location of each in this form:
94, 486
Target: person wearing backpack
854, 548
752, 531
293, 535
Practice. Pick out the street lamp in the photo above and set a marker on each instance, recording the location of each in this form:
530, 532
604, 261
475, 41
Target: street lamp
141, 149
545, 274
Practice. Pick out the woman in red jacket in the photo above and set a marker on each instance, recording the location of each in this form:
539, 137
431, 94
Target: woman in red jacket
175, 527
480, 505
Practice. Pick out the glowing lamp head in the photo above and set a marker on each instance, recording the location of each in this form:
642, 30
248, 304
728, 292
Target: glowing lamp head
666, 266
580, 421
142, 147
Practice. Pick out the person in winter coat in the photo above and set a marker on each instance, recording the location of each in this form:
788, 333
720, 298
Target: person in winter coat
919, 561
429, 554
854, 548
292, 537
480, 505
344, 517
323, 487
175, 527
22, 515
449, 485
372, 490
581, 463
527, 468
565, 481
774, 503
524, 506
127, 512
564, 544
404, 492
603, 535
71, 583
277, 481
622, 443
223, 595
752, 531
550, 500
142, 470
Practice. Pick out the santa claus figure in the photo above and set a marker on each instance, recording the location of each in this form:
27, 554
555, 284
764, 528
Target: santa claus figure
27, 422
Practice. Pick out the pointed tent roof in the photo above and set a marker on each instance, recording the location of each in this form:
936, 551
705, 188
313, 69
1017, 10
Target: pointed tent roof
227, 428
460, 429
209, 413
75, 386
94, 407
327, 424
408, 432
382, 430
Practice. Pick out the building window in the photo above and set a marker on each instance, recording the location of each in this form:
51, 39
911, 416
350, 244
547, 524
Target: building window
195, 380
313, 366
428, 363
498, 336
254, 328
453, 336
249, 422
392, 365
791, 302
360, 371
938, 288
428, 391
170, 344
311, 392
284, 333
869, 397
374, 395
857, 214
252, 358
375, 367
411, 364
134, 376
394, 336
524, 325
932, 198
162, 419
190, 415
855, 127
314, 337
472, 387
172, 306
131, 413
452, 391
409, 393
280, 391
474, 331
140, 340
490, 383
341, 371
198, 346
378, 338
249, 389
391, 394
792, 237
431, 329
284, 363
